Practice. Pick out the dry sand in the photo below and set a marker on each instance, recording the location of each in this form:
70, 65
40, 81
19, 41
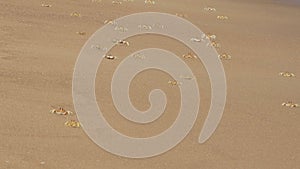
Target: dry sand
39, 47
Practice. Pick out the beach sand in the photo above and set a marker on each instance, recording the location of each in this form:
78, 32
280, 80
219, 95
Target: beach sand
39, 47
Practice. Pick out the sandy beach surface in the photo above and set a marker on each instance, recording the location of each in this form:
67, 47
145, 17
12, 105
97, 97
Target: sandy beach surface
39, 47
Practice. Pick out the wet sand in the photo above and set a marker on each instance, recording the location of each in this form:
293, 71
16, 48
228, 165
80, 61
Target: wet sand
39, 47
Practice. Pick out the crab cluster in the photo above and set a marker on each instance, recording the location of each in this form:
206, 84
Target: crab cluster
62, 111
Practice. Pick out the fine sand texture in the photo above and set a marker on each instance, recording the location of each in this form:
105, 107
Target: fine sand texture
39, 45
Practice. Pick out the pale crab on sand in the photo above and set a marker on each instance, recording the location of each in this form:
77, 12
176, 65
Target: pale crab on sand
75, 14
110, 22
110, 57
210, 9
189, 55
174, 83
46, 5
287, 74
72, 123
61, 111
121, 42
290, 104
222, 17
225, 56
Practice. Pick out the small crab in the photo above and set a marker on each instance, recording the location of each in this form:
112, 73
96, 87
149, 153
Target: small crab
290, 104
110, 22
145, 27
287, 74
186, 77
181, 15
99, 47
116, 2
72, 123
222, 17
211, 37
81, 33
225, 56
121, 29
210, 9
122, 42
46, 5
75, 14
61, 111
196, 40
139, 56
110, 57
214, 44
152, 2
174, 83
97, 1
189, 56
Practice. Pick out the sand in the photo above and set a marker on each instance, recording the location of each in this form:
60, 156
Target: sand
39, 47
